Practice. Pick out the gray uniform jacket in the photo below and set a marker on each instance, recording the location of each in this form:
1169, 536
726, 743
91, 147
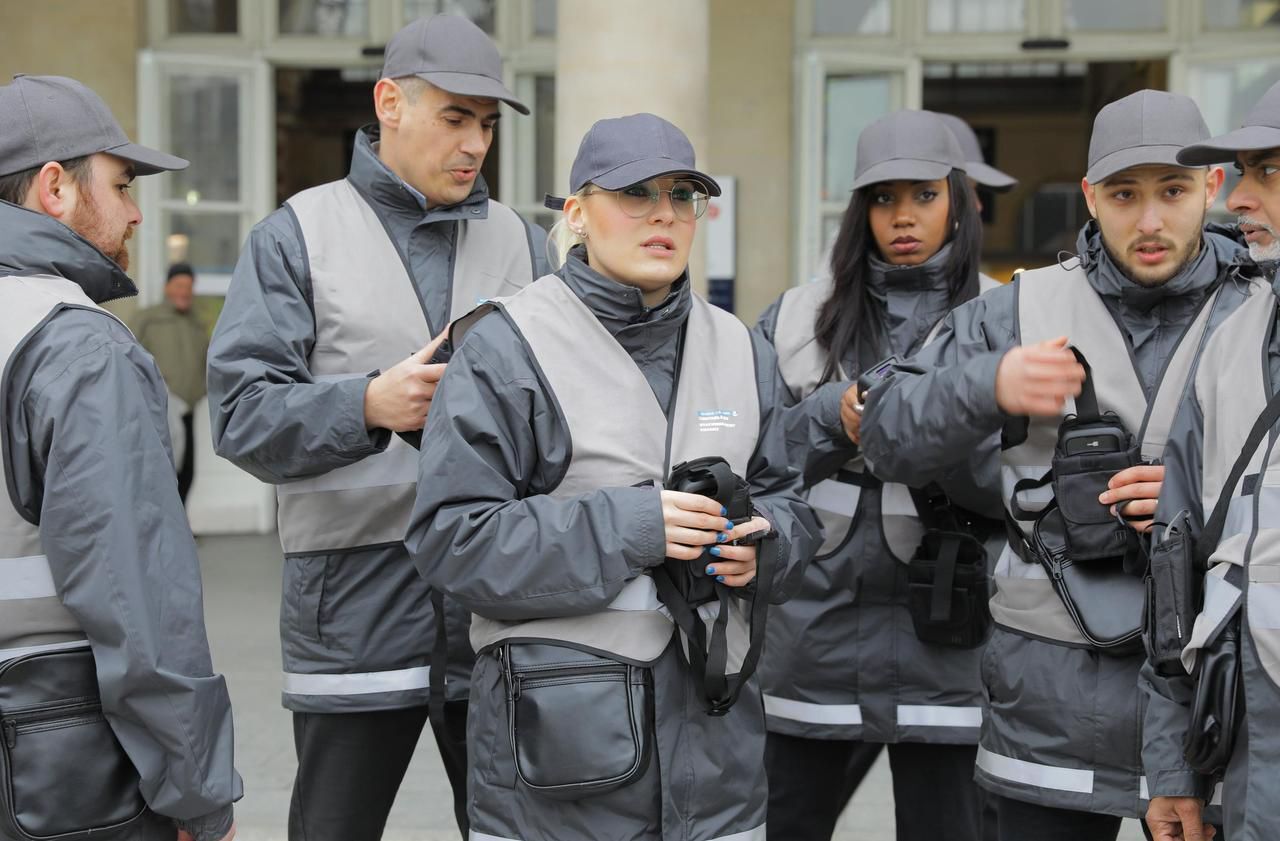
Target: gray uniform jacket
1062, 723
1204, 442
362, 612
87, 458
843, 660
500, 544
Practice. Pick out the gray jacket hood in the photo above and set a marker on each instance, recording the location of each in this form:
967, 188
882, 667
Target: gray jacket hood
910, 300
1217, 252
619, 306
33, 244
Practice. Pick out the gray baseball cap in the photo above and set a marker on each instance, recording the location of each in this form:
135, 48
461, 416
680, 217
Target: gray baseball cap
1261, 130
452, 53
975, 166
622, 151
906, 146
53, 118
1143, 129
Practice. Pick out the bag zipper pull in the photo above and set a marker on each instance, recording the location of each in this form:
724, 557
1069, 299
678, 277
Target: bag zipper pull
11, 733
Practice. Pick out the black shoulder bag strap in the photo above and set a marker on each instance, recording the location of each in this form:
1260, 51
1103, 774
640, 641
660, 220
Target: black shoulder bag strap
1212, 531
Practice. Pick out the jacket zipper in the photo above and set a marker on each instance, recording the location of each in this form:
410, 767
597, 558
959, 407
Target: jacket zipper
535, 676
72, 711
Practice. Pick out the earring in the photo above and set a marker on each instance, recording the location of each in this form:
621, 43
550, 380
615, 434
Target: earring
581, 232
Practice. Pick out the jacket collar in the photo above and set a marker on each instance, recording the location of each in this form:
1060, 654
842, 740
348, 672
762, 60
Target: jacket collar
619, 306
32, 243
390, 194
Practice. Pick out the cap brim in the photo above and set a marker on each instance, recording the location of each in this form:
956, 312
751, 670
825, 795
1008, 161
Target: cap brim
637, 172
147, 161
553, 202
902, 169
1109, 165
988, 176
473, 84
1224, 148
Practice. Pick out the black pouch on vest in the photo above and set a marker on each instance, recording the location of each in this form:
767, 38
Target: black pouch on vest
1104, 601
1217, 706
581, 724
947, 583
63, 774
1173, 598
1092, 447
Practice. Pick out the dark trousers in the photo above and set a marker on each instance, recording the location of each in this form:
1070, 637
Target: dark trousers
1021, 821
187, 470
812, 780
350, 766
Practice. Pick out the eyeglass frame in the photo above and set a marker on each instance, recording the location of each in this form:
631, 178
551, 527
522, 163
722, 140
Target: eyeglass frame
655, 196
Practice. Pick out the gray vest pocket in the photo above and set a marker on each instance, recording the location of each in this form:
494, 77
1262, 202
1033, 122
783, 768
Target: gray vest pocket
581, 724
64, 774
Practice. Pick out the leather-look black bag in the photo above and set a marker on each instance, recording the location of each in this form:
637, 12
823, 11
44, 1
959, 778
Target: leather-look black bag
1217, 707
63, 774
948, 583
1173, 598
580, 724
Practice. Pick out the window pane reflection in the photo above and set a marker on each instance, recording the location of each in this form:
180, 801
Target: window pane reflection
1108, 15
203, 17
204, 128
329, 18
479, 12
977, 15
852, 103
210, 242
851, 17
1241, 14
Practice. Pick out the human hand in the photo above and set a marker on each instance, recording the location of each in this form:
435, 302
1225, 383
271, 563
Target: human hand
1178, 818
1140, 484
399, 398
692, 522
1037, 379
736, 565
851, 414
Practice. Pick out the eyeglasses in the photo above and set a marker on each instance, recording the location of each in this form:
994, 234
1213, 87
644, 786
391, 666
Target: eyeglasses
639, 200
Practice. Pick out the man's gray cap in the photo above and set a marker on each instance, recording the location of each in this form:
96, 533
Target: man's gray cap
53, 118
975, 166
452, 53
1143, 129
906, 146
1261, 130
622, 151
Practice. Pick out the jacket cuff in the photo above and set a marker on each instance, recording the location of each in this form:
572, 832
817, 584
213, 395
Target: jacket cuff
827, 398
652, 546
211, 827
979, 385
356, 438
1178, 782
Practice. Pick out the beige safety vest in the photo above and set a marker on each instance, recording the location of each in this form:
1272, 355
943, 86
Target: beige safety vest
32, 617
1055, 301
368, 317
619, 436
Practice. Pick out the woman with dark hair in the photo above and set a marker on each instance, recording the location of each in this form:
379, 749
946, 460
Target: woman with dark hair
547, 510
844, 671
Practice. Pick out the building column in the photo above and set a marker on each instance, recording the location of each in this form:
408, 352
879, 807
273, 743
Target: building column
626, 56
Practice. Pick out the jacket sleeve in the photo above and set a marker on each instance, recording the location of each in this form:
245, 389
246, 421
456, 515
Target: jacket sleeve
91, 458
269, 415
940, 404
538, 249
484, 529
775, 483
815, 436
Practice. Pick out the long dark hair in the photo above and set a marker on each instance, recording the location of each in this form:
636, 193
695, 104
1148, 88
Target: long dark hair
845, 322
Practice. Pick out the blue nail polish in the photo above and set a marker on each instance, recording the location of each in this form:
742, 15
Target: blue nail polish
711, 570
720, 578
715, 550
722, 537
724, 512
728, 525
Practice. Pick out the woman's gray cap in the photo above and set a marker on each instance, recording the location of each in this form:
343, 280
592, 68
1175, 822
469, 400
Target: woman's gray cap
1147, 128
451, 53
975, 166
53, 118
1261, 130
906, 146
622, 151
